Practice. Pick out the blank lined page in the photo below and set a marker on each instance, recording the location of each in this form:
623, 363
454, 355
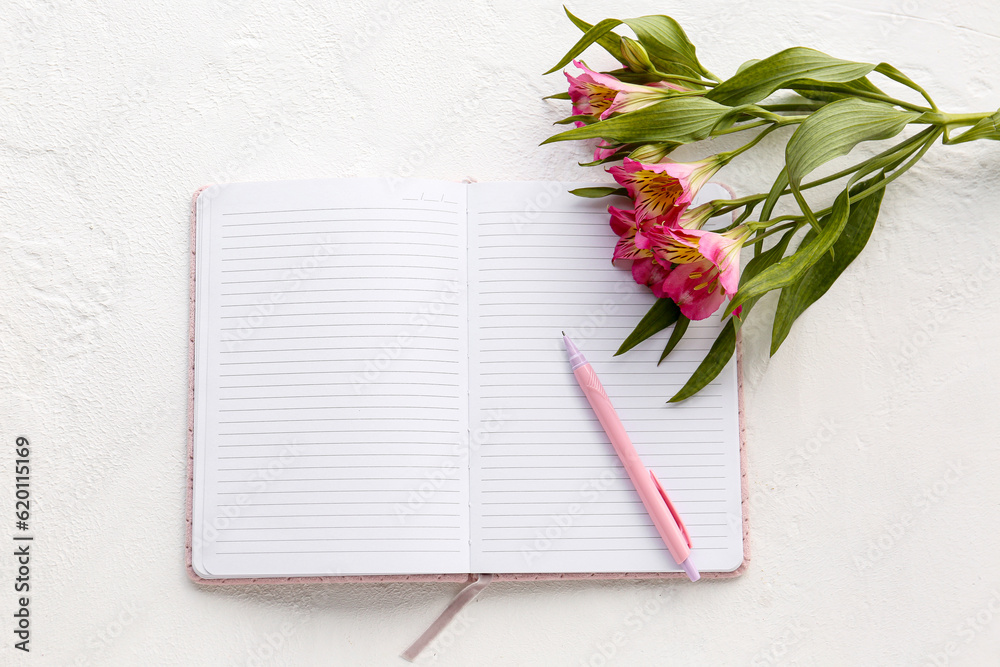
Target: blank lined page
330, 390
548, 492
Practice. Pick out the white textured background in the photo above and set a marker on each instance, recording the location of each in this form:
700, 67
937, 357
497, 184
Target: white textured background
873, 434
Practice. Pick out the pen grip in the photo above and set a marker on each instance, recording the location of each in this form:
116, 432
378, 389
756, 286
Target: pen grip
606, 414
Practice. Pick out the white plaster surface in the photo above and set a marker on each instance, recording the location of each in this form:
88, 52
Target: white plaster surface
112, 113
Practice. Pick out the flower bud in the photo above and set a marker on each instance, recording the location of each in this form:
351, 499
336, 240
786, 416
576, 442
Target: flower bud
652, 153
634, 55
695, 218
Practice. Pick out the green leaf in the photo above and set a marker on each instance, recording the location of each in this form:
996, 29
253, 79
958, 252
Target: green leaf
594, 193
667, 67
586, 119
891, 72
763, 78
791, 268
713, 363
614, 157
758, 264
837, 128
798, 296
662, 67
823, 92
610, 42
589, 37
675, 337
664, 38
987, 128
663, 313
557, 96
752, 61
773, 195
678, 120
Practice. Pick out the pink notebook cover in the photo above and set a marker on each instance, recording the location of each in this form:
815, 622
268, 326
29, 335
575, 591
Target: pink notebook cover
429, 577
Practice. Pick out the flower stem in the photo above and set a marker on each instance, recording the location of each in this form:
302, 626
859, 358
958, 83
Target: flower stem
760, 112
740, 128
767, 224
772, 230
727, 156
793, 107
728, 205
683, 93
929, 141
949, 119
900, 170
683, 79
863, 93
894, 150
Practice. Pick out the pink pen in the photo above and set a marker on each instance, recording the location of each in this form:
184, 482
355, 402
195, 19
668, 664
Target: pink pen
666, 519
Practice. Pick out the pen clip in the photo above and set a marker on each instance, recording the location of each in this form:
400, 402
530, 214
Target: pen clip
673, 511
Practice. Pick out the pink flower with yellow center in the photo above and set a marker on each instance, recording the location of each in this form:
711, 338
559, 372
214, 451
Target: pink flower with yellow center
706, 265
646, 270
600, 95
666, 189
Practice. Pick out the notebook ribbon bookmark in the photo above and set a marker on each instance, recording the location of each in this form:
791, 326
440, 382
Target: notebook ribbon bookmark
464, 597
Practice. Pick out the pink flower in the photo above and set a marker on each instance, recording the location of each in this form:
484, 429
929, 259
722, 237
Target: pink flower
600, 95
706, 265
666, 189
646, 270
670, 252
694, 288
623, 224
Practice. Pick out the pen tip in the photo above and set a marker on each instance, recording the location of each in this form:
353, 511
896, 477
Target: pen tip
563, 333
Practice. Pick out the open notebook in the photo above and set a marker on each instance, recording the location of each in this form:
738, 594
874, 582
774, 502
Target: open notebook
380, 388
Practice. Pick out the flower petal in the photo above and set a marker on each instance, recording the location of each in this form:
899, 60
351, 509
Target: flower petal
657, 189
628, 100
724, 253
622, 221
626, 248
695, 288
604, 149
647, 271
674, 244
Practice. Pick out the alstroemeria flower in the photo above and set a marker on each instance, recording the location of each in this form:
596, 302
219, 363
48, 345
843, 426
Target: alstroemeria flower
637, 96
623, 224
706, 265
666, 189
600, 95
646, 270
